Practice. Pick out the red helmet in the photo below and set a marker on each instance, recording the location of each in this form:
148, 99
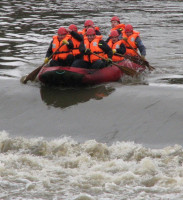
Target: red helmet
73, 27
115, 18
62, 31
128, 28
88, 23
90, 31
114, 33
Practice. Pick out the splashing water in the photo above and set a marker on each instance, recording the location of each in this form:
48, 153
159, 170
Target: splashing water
64, 169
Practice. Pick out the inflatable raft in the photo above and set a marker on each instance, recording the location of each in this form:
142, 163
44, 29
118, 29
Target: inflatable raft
75, 76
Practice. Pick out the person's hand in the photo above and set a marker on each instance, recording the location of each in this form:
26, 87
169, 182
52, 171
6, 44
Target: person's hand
65, 42
46, 60
87, 51
109, 61
125, 38
114, 51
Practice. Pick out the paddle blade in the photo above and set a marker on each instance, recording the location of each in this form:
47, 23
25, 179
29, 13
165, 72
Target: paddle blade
140, 61
126, 70
31, 76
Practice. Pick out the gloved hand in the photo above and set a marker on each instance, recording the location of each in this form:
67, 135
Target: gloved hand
125, 38
109, 61
114, 51
87, 51
65, 42
46, 60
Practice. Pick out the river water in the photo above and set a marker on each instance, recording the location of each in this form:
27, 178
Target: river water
112, 141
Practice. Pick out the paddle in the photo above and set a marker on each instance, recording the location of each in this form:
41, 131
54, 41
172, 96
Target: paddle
145, 62
33, 74
126, 70
132, 58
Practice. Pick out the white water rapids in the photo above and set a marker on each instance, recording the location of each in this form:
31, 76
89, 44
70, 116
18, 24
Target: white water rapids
65, 169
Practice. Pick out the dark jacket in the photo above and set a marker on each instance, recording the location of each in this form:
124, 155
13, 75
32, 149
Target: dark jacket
77, 36
121, 49
140, 46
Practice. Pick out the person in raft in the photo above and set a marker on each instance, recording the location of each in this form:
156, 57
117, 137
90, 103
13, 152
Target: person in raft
76, 38
117, 46
133, 42
90, 24
93, 44
63, 57
116, 25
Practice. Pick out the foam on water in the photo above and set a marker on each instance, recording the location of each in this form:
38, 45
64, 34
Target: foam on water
65, 169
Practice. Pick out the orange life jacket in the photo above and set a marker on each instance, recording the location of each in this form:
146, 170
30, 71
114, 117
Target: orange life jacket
116, 45
76, 43
64, 51
131, 40
93, 46
119, 26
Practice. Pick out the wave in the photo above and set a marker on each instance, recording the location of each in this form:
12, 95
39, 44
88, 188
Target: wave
35, 168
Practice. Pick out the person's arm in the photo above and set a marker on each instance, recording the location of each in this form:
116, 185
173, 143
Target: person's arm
49, 51
105, 47
108, 39
82, 47
70, 45
121, 49
76, 35
97, 31
140, 46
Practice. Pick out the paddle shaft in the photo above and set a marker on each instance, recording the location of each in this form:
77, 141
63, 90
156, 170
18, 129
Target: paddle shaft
132, 58
34, 73
126, 70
